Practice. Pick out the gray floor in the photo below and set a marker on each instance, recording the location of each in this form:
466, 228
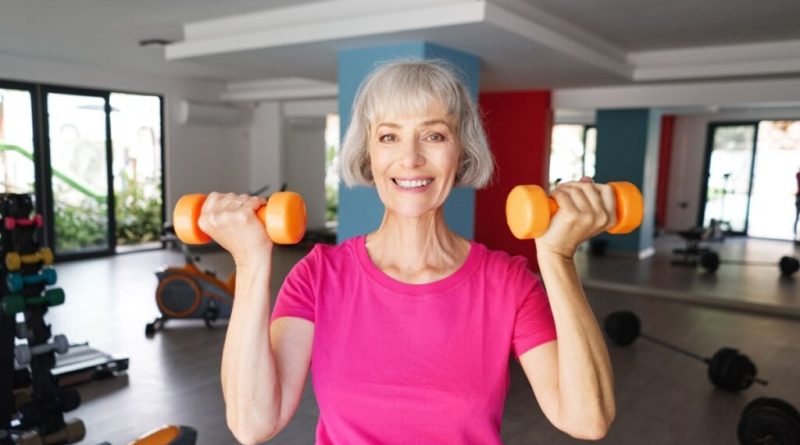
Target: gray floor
663, 397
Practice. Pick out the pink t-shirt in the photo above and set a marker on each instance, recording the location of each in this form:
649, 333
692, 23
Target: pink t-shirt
397, 363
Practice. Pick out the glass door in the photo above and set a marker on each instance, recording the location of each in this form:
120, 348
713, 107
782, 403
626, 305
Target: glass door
17, 166
77, 149
777, 163
729, 176
137, 170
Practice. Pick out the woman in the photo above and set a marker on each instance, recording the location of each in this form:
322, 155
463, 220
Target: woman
410, 327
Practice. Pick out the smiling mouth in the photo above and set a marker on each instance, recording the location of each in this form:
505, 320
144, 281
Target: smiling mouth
411, 184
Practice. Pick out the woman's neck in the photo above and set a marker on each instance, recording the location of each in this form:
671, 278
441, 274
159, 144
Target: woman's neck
416, 250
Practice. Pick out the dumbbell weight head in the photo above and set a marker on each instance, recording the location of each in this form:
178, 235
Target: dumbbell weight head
12, 304
46, 256
768, 420
60, 344
789, 265
48, 276
53, 297
31, 413
177, 434
284, 217
69, 399
13, 261
14, 282
622, 327
30, 438
23, 354
529, 209
23, 331
731, 371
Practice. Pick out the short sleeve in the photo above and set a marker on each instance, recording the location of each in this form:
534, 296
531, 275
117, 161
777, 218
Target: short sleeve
297, 295
534, 324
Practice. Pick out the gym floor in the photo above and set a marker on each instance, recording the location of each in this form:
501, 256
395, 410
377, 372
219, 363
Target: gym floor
662, 397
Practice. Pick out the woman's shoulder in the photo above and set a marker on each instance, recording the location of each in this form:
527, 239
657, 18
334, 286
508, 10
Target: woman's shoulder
500, 260
332, 253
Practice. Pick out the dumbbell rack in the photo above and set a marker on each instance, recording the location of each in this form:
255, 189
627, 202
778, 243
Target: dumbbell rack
32, 404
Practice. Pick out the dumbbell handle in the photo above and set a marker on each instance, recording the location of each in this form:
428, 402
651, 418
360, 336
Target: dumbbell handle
705, 360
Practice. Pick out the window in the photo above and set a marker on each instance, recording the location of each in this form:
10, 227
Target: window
572, 152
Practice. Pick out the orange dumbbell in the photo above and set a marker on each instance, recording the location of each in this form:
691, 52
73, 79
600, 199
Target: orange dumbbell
528, 209
284, 217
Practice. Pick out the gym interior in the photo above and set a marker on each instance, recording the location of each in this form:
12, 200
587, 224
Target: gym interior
110, 112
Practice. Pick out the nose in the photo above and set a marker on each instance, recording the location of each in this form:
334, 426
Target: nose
412, 156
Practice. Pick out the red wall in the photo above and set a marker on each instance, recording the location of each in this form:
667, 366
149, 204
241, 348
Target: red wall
664, 156
519, 126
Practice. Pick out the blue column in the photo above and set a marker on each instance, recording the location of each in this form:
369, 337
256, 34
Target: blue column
627, 150
360, 209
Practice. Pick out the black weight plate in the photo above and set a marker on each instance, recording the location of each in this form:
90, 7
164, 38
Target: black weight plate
789, 265
709, 261
622, 327
719, 367
768, 420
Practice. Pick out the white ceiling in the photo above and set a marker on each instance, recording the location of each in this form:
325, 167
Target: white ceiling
557, 52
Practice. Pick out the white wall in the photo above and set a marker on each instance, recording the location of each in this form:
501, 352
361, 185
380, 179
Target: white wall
266, 147
199, 159
305, 164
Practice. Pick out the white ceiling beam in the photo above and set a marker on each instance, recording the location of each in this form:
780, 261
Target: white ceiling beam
764, 93
349, 26
754, 59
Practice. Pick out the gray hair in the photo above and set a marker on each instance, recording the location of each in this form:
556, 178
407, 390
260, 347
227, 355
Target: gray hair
411, 86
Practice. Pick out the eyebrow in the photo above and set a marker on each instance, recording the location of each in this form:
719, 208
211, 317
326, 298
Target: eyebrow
424, 124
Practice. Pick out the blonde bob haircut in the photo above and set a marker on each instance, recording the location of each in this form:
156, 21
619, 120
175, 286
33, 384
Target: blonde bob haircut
408, 87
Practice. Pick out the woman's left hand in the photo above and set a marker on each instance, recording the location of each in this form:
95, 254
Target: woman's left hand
585, 210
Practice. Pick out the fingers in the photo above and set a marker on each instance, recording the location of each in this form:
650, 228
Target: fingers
232, 202
588, 204
610, 204
254, 203
228, 208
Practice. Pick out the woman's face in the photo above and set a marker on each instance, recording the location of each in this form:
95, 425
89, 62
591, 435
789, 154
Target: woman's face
414, 159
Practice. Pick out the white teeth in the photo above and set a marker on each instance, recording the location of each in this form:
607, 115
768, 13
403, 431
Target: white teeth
411, 184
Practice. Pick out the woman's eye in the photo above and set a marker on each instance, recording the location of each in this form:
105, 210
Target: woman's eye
436, 137
387, 138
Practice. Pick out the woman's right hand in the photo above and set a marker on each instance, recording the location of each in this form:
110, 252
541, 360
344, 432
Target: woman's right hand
231, 221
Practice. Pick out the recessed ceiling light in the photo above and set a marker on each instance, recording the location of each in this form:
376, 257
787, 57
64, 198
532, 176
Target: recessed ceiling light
151, 43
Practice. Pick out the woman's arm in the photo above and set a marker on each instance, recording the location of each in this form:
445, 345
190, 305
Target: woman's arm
263, 368
572, 377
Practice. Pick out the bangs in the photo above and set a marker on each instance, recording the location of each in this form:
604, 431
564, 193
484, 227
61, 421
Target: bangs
410, 92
